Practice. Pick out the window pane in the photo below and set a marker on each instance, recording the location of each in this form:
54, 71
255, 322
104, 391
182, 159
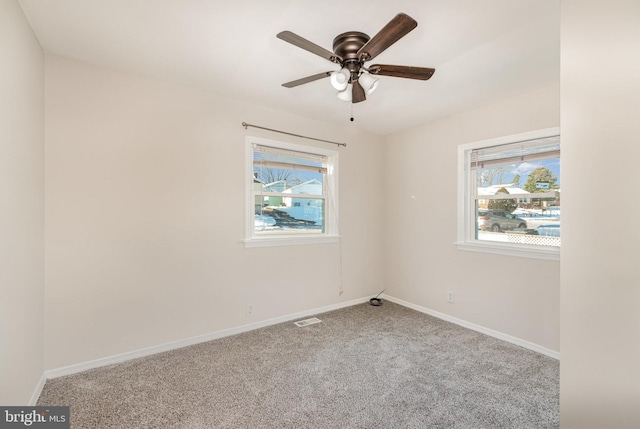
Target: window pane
507, 208
296, 214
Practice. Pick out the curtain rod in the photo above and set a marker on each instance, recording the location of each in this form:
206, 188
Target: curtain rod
245, 125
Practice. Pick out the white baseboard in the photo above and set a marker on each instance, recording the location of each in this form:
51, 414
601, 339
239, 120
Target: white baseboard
83, 366
110, 360
496, 334
38, 390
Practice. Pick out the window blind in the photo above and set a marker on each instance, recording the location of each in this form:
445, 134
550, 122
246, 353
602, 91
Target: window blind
514, 153
271, 157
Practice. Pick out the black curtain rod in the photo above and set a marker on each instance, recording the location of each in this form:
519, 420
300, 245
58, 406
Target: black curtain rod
245, 125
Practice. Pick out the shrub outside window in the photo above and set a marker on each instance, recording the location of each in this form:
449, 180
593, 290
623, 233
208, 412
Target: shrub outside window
509, 195
291, 193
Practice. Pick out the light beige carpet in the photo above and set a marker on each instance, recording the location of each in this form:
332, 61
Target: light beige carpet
363, 367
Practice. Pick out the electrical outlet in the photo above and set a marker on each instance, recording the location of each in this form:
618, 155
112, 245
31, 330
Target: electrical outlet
450, 297
249, 310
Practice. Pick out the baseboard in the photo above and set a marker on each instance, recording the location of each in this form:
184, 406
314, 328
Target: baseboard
123, 357
496, 334
110, 360
38, 390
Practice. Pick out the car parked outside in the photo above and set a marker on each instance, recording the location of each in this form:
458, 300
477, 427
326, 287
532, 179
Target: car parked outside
499, 220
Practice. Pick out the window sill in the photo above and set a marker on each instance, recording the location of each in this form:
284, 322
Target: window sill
550, 254
289, 240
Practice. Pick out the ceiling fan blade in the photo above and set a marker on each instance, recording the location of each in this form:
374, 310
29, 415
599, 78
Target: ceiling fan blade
303, 43
306, 79
357, 94
408, 72
397, 28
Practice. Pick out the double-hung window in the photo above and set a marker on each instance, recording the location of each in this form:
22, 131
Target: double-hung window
291, 193
509, 195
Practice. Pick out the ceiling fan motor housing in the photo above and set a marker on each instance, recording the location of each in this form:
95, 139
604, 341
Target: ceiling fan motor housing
346, 46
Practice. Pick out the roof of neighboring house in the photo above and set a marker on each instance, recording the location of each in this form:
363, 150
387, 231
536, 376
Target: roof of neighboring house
492, 190
277, 182
308, 182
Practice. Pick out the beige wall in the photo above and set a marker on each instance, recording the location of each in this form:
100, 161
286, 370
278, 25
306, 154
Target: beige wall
21, 207
511, 295
145, 216
140, 252
600, 304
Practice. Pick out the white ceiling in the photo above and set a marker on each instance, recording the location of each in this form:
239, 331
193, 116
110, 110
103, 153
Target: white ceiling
482, 50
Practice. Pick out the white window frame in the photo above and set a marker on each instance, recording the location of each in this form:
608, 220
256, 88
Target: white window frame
466, 202
330, 234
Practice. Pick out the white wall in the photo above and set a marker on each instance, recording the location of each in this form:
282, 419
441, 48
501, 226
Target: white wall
600, 304
21, 207
515, 296
145, 216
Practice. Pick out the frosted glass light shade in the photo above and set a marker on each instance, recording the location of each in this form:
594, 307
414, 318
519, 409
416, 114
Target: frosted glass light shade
368, 83
346, 94
340, 79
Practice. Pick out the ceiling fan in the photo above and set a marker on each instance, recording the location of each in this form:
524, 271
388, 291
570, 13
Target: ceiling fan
352, 50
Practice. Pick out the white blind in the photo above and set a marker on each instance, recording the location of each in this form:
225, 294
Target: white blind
514, 153
271, 157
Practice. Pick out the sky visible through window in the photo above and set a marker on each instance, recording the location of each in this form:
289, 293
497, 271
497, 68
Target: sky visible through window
506, 174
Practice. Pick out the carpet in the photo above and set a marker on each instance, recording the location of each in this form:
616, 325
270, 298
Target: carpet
367, 367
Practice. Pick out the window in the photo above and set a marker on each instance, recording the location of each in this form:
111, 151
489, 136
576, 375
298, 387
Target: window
291, 194
509, 195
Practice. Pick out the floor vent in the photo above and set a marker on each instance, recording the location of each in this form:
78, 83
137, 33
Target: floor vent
307, 321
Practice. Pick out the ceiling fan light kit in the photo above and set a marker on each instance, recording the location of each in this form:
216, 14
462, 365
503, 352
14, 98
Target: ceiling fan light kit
346, 94
368, 82
351, 50
340, 79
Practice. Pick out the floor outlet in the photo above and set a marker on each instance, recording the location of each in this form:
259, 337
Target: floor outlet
450, 297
